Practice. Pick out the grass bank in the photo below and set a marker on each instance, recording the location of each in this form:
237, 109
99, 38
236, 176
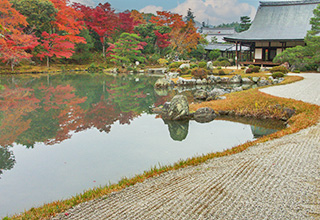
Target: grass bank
249, 103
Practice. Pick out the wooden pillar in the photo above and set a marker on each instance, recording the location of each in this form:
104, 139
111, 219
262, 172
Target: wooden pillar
236, 54
240, 52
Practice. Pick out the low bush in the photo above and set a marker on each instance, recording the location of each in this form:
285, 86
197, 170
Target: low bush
256, 69
249, 70
221, 72
296, 71
216, 63
282, 69
277, 74
199, 73
193, 60
175, 65
251, 66
225, 63
162, 61
243, 67
202, 64
193, 65
219, 68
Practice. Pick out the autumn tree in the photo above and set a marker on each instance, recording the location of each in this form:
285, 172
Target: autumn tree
101, 19
14, 43
55, 45
183, 35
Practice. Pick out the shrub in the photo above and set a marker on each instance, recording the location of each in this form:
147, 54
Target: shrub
193, 65
219, 68
162, 61
296, 71
129, 68
199, 73
154, 58
222, 59
225, 63
256, 69
184, 71
282, 69
202, 64
251, 66
277, 74
249, 70
175, 65
93, 68
243, 67
216, 63
193, 60
221, 72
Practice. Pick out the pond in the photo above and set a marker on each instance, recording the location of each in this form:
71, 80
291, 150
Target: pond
63, 134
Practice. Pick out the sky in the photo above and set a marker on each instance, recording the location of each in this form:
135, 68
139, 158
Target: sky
214, 12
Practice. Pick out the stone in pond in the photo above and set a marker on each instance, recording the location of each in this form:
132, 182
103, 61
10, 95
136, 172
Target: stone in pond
204, 115
177, 109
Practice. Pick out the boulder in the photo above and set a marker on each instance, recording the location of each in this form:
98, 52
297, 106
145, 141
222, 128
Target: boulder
201, 94
209, 65
263, 82
236, 79
177, 109
198, 82
204, 115
204, 81
184, 65
247, 81
255, 79
217, 92
163, 83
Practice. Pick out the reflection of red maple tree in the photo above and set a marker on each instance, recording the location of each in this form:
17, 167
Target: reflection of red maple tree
101, 116
71, 114
14, 104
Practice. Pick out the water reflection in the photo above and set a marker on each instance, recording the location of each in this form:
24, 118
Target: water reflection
7, 160
178, 129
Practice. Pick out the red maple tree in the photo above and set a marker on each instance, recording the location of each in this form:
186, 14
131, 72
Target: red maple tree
55, 45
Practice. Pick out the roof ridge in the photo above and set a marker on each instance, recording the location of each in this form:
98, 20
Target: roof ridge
299, 2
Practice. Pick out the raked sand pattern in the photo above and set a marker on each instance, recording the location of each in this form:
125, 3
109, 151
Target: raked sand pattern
278, 179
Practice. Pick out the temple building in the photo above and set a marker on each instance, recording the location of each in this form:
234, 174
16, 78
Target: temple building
277, 25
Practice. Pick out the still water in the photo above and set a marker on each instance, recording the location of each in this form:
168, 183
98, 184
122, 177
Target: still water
63, 134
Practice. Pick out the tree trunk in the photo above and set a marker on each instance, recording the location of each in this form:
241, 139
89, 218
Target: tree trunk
104, 47
48, 65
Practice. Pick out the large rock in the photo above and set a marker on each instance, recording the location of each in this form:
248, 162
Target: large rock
163, 83
204, 115
201, 94
236, 79
225, 80
177, 109
247, 81
255, 79
185, 65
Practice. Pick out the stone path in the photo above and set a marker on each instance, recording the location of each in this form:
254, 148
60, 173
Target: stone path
278, 179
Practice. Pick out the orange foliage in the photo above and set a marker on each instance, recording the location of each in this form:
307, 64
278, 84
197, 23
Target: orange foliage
14, 104
183, 36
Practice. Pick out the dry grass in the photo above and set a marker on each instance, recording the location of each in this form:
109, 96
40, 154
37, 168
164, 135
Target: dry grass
249, 103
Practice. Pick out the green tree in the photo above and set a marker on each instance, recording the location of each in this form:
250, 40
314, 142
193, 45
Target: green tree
82, 51
39, 13
190, 16
214, 54
128, 49
245, 23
